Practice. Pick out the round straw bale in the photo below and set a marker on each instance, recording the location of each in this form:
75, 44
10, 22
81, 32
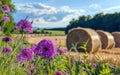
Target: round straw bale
116, 36
107, 39
82, 36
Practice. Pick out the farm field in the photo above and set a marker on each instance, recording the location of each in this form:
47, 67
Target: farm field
111, 56
53, 32
56, 31
57, 39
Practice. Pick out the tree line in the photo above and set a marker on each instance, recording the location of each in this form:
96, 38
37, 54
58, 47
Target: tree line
101, 21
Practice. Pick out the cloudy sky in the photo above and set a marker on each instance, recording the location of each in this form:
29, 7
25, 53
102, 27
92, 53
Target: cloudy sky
58, 13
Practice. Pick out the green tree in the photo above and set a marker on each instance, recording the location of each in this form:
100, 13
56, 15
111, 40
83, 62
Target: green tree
107, 22
72, 24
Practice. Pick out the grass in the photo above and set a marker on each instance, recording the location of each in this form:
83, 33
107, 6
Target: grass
56, 31
53, 31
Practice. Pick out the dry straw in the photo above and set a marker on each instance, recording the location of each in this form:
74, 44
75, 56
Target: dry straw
116, 36
97, 57
107, 39
80, 36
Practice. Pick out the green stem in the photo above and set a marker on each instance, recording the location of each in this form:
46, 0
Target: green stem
48, 69
3, 64
87, 70
14, 50
18, 43
2, 25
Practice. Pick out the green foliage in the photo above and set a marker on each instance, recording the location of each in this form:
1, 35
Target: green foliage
84, 47
7, 28
61, 65
1, 14
105, 70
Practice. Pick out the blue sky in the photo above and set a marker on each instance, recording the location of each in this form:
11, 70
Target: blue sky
58, 13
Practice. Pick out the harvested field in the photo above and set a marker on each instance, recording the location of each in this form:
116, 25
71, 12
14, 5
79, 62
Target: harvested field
105, 55
59, 40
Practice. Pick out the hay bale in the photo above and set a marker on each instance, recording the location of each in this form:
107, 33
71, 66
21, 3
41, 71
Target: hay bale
116, 36
81, 36
107, 40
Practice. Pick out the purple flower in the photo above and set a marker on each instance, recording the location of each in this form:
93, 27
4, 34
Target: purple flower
24, 25
26, 54
6, 19
7, 39
94, 65
46, 48
82, 61
32, 69
58, 72
7, 50
6, 8
62, 51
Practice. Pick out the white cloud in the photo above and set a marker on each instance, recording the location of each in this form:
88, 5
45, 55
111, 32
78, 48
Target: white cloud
36, 8
111, 8
67, 9
48, 16
53, 18
69, 17
42, 23
95, 6
39, 20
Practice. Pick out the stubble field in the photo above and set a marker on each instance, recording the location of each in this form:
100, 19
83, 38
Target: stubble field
112, 56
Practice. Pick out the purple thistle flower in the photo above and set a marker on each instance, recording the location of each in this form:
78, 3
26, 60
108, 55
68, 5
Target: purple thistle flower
7, 39
94, 65
32, 69
6, 19
82, 61
58, 72
62, 51
6, 8
26, 54
7, 50
24, 25
46, 48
